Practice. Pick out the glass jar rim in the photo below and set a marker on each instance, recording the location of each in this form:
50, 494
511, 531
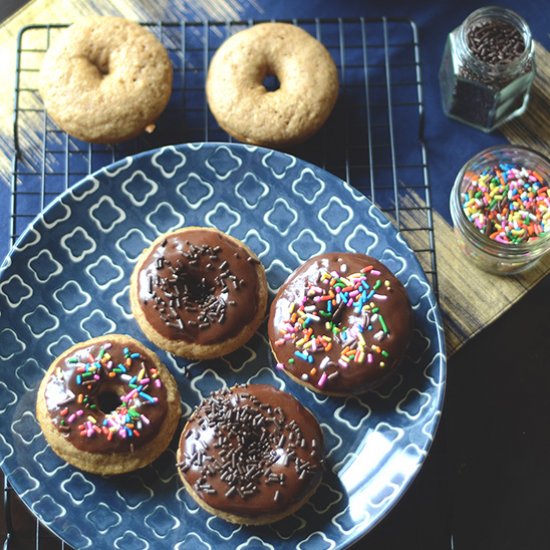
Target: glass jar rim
504, 14
495, 247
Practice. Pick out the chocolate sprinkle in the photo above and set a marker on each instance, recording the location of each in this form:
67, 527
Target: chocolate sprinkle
250, 438
179, 290
495, 42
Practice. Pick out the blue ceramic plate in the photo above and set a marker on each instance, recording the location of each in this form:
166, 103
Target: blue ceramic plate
66, 280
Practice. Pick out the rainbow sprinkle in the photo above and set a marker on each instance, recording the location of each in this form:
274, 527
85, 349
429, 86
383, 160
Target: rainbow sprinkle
508, 203
126, 420
316, 322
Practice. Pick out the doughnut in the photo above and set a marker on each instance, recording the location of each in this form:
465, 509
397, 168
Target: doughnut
105, 80
340, 323
251, 454
198, 293
247, 110
108, 405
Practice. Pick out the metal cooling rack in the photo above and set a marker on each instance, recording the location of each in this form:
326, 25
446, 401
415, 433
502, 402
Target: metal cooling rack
373, 139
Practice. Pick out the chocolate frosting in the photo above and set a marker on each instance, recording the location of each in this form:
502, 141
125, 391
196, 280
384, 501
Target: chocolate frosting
106, 397
251, 450
340, 323
198, 286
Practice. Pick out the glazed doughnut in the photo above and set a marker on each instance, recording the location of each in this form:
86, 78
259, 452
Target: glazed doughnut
108, 405
105, 80
243, 106
198, 293
340, 323
251, 454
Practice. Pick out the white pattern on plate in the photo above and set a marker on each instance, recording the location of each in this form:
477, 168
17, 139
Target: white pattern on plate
281, 207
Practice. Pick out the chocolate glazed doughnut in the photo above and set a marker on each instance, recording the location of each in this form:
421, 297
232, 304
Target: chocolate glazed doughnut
108, 405
251, 454
198, 293
340, 323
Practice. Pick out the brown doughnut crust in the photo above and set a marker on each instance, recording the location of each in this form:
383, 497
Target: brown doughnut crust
244, 108
382, 329
294, 442
105, 79
245, 306
126, 456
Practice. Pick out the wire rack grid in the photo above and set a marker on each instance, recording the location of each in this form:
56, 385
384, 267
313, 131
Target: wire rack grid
373, 140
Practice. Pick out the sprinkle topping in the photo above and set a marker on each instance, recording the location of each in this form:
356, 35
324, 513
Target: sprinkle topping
340, 322
181, 289
198, 286
105, 396
495, 42
337, 309
508, 203
239, 446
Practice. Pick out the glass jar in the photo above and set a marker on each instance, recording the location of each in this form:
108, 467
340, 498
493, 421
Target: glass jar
503, 258
482, 89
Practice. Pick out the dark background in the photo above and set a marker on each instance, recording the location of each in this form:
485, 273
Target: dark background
486, 482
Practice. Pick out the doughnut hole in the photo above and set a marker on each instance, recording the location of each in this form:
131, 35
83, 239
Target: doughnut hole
99, 58
271, 82
198, 288
108, 401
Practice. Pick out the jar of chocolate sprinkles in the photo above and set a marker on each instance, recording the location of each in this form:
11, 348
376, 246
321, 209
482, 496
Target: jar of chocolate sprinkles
487, 68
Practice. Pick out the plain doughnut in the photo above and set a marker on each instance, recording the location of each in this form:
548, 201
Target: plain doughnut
242, 105
105, 79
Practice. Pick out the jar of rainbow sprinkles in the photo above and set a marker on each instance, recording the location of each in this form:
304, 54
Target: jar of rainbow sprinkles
500, 206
